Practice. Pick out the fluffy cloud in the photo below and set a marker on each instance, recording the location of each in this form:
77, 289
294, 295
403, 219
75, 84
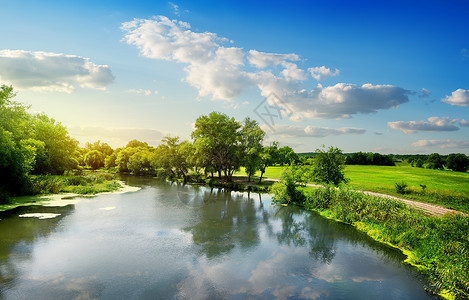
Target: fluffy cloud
290, 131
225, 72
443, 144
339, 101
320, 73
459, 97
45, 71
433, 124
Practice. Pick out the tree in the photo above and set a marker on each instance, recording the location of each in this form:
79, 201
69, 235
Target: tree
457, 162
286, 155
251, 139
94, 159
174, 156
268, 156
435, 161
59, 146
329, 166
140, 162
13, 166
217, 136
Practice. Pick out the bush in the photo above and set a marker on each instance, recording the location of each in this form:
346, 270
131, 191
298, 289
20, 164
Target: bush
401, 187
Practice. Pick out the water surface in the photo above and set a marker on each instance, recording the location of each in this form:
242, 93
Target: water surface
168, 241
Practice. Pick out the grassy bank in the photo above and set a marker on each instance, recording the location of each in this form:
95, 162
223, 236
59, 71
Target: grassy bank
446, 188
89, 184
439, 246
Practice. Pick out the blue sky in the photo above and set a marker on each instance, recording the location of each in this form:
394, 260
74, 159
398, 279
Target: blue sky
381, 76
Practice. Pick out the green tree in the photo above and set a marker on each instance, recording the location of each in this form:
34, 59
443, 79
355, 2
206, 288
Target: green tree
268, 157
435, 161
59, 146
457, 162
13, 166
218, 137
140, 162
94, 159
123, 158
251, 141
286, 155
102, 147
328, 166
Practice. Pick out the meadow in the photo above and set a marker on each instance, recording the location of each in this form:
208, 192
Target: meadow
442, 187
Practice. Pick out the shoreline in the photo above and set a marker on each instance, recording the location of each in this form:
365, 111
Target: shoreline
62, 199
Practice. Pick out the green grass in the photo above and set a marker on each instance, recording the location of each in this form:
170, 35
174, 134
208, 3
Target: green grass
446, 188
438, 246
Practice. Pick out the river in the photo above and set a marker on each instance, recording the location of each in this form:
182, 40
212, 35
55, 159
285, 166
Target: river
169, 241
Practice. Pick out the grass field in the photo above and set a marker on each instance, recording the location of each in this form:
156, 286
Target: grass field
447, 188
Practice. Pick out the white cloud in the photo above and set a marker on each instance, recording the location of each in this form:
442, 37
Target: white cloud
433, 124
320, 73
262, 59
291, 131
225, 72
45, 71
339, 101
443, 144
459, 97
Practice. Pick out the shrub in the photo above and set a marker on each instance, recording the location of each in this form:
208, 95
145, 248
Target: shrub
401, 187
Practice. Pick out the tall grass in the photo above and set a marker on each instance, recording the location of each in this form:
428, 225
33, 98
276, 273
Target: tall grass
78, 184
439, 245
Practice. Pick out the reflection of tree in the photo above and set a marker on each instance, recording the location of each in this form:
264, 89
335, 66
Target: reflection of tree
18, 234
299, 228
227, 220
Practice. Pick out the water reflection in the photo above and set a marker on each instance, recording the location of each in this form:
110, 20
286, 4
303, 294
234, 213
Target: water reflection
174, 241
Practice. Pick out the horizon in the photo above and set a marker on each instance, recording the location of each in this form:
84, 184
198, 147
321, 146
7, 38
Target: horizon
387, 77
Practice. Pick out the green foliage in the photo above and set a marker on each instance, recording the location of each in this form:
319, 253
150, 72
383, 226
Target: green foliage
13, 166
435, 161
78, 184
288, 190
251, 142
440, 245
457, 162
360, 158
328, 166
217, 137
268, 157
94, 159
401, 187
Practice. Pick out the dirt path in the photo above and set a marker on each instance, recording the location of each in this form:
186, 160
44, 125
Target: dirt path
433, 210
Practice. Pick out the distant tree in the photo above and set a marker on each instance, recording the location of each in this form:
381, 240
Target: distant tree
435, 161
136, 144
329, 166
457, 162
268, 157
286, 155
102, 147
251, 142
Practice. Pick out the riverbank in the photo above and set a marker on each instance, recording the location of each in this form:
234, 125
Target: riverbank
63, 198
436, 245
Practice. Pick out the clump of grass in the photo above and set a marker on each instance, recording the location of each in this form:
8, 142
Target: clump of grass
440, 245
